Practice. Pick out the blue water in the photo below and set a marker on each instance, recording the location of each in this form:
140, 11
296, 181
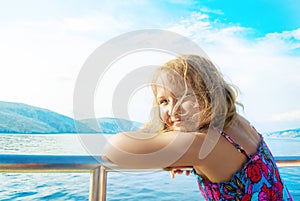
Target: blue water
131, 186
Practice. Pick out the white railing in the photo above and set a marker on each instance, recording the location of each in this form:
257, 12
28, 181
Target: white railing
97, 167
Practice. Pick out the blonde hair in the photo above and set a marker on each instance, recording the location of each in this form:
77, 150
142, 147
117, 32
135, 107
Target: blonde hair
216, 97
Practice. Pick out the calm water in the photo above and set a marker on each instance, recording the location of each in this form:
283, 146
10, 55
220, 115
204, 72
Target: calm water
121, 186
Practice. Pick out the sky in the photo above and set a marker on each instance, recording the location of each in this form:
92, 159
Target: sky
255, 44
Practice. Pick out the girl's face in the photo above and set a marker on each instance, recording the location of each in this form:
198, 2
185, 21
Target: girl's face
178, 106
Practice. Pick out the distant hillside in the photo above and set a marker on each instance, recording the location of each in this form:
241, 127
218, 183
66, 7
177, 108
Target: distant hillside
112, 125
23, 118
290, 133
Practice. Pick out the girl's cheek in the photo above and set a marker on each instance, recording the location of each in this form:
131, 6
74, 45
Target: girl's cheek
163, 114
189, 106
165, 117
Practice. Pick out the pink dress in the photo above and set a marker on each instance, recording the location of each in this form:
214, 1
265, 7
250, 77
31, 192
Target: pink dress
258, 179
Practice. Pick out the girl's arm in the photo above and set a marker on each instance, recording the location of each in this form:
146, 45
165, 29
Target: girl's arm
144, 150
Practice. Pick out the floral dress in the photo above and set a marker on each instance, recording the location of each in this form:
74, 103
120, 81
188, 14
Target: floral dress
258, 179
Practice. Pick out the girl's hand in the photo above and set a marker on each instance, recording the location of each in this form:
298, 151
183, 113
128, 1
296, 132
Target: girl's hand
178, 170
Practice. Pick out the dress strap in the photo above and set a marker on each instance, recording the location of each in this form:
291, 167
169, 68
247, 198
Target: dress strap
236, 145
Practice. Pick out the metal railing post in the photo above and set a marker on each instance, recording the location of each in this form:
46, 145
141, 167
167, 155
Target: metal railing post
103, 183
98, 182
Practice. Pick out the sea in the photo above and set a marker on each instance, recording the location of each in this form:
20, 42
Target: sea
121, 186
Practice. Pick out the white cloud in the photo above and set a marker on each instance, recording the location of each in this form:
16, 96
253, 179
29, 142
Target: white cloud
287, 116
208, 10
286, 34
288, 41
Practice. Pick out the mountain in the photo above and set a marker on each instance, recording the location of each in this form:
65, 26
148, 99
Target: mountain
112, 125
23, 118
290, 133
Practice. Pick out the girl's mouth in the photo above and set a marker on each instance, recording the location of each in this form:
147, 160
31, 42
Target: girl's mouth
177, 122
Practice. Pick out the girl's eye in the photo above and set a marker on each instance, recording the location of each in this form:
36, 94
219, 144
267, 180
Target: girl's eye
163, 101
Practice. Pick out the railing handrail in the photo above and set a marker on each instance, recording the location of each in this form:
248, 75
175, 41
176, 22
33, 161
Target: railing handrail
44, 163
86, 163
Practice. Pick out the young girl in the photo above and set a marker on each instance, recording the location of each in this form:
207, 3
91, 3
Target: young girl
195, 125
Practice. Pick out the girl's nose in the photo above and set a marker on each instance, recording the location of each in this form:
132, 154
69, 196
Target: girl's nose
174, 108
